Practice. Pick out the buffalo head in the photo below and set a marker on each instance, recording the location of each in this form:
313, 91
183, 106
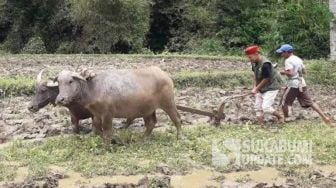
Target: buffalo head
70, 85
45, 93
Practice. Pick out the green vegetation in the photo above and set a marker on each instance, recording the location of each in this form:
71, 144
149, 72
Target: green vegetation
86, 155
7, 172
52, 58
153, 26
16, 85
319, 72
213, 79
34, 46
19, 85
322, 72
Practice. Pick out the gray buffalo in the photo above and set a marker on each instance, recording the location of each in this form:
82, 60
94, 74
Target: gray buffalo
46, 93
121, 94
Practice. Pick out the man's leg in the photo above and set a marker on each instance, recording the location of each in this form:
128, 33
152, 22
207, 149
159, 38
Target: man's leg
268, 102
258, 108
323, 116
306, 102
288, 99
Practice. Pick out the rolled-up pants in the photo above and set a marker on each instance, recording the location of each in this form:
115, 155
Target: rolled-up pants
264, 102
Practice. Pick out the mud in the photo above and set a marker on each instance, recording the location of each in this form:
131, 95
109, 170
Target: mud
16, 122
263, 178
21, 65
59, 177
51, 180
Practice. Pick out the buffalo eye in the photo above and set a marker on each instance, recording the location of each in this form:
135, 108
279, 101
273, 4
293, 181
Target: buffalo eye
43, 90
70, 82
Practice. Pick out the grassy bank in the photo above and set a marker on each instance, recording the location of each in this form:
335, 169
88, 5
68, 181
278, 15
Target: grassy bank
41, 57
320, 72
22, 85
86, 155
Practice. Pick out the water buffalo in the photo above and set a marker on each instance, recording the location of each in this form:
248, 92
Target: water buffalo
121, 94
46, 93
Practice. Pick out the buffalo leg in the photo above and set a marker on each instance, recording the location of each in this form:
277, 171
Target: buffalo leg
107, 129
75, 124
149, 123
173, 114
97, 124
129, 121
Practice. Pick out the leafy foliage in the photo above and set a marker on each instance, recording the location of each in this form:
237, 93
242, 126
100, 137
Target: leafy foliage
34, 46
112, 25
182, 26
306, 26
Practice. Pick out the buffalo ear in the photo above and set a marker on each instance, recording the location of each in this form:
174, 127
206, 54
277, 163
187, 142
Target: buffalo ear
86, 73
52, 83
75, 75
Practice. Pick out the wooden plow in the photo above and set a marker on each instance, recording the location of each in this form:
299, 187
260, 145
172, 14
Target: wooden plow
217, 114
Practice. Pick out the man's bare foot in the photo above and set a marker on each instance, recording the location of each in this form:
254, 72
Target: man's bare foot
327, 121
290, 119
281, 119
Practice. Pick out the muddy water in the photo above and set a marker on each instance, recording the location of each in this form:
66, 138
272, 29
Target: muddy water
75, 179
198, 178
266, 175
327, 169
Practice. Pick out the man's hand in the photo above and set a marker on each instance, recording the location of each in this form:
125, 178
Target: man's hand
283, 72
254, 91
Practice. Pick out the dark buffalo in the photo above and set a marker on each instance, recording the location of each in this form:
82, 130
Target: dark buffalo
46, 93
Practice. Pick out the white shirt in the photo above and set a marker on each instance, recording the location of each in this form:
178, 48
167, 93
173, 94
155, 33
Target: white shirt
295, 64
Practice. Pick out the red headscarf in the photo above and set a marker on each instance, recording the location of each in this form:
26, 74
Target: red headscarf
252, 50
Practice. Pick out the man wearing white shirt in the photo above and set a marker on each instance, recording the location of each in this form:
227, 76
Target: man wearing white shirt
296, 85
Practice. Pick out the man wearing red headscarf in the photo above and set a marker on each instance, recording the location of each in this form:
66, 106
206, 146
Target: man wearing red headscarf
267, 84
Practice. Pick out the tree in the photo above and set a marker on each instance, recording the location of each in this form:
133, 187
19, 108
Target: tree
112, 25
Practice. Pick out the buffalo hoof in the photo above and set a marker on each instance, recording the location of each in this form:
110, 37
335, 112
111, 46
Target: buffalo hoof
75, 130
146, 136
181, 137
118, 141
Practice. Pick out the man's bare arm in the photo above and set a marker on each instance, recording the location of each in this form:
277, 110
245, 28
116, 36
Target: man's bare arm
288, 72
262, 84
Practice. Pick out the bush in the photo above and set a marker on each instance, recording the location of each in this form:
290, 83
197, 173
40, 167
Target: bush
13, 43
202, 26
34, 46
66, 48
208, 46
322, 72
306, 26
112, 25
